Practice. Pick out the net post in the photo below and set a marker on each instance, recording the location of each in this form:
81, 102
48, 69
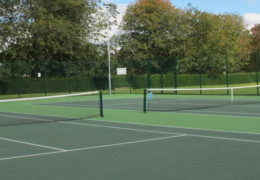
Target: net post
101, 104
144, 106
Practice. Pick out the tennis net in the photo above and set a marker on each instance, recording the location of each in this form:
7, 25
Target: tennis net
51, 108
199, 98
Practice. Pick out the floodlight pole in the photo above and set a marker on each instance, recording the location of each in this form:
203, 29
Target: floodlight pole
108, 54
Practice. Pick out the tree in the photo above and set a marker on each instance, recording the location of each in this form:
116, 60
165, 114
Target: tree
218, 40
256, 37
198, 41
146, 33
255, 48
57, 34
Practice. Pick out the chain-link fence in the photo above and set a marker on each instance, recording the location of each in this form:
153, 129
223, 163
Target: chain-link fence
22, 78
169, 74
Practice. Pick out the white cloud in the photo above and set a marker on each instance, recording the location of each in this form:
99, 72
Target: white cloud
251, 19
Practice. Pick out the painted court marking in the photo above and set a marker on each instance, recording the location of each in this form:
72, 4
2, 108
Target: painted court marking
174, 127
215, 113
21, 117
120, 128
142, 124
224, 112
59, 150
31, 144
194, 135
93, 147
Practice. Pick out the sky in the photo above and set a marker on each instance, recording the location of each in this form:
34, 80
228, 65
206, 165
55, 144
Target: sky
249, 9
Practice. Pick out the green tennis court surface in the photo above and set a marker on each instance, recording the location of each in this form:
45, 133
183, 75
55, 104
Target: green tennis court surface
213, 143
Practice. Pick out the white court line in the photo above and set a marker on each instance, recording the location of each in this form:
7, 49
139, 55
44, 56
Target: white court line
47, 97
164, 132
93, 147
130, 142
121, 128
178, 127
224, 112
21, 117
213, 113
229, 104
31, 144
174, 127
223, 138
126, 143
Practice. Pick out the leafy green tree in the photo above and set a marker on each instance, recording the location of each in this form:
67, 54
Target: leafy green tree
57, 34
197, 41
146, 33
256, 37
255, 48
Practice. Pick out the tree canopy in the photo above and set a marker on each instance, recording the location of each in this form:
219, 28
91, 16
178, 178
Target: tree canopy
63, 36
196, 40
55, 33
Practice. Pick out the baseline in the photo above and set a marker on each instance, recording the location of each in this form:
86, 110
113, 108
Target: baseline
31, 144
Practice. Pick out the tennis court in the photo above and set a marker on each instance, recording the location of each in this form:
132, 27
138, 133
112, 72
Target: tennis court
220, 143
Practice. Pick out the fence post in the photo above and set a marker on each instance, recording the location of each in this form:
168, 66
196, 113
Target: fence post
148, 74
69, 76
45, 79
257, 71
200, 75
19, 79
227, 73
175, 74
161, 80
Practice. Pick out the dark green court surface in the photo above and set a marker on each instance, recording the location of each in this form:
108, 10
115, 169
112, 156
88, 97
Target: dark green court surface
220, 143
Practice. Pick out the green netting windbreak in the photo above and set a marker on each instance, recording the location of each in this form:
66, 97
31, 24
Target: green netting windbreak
245, 76
134, 81
16, 79
121, 84
129, 84
161, 72
255, 60
224, 70
23, 78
